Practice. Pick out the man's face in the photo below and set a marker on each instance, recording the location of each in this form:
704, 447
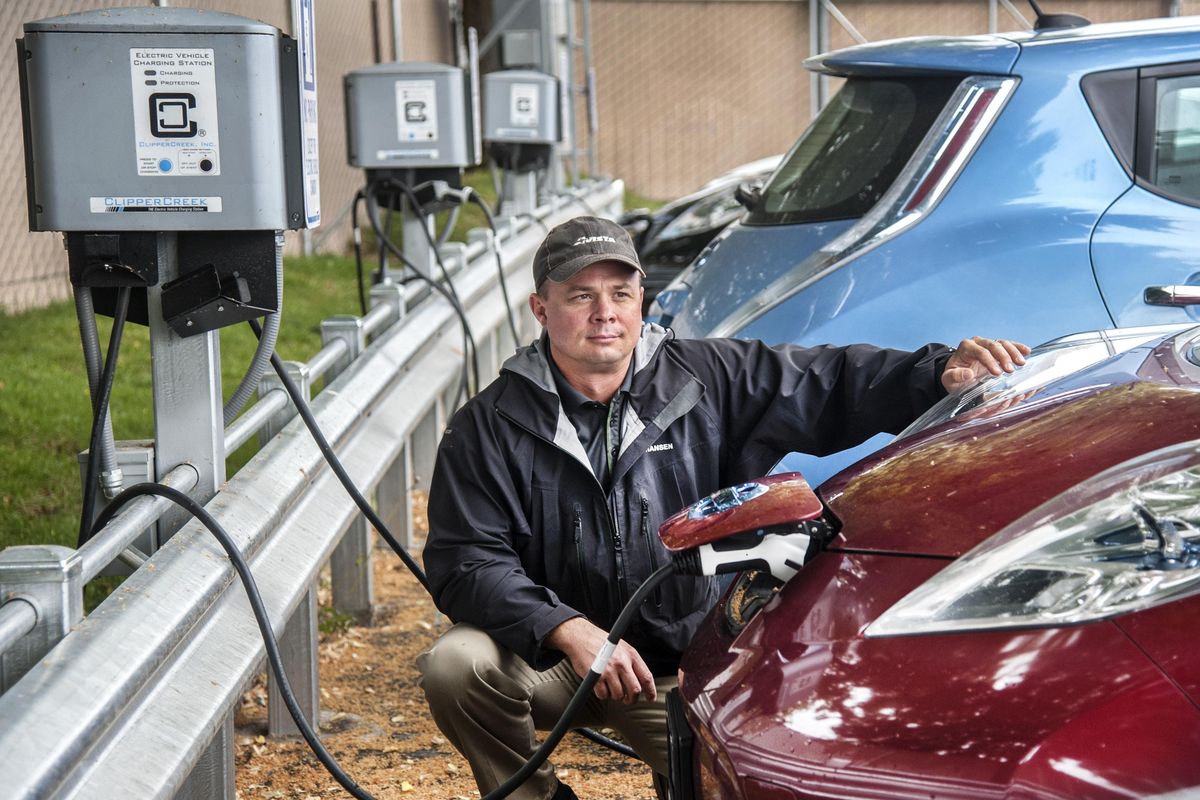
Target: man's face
593, 319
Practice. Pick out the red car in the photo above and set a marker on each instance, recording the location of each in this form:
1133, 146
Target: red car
1009, 607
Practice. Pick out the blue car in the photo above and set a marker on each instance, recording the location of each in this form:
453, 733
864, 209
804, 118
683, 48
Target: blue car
1022, 185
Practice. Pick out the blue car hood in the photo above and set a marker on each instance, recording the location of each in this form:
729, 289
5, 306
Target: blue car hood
741, 264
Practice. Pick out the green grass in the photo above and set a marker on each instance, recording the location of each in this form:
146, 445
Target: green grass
44, 406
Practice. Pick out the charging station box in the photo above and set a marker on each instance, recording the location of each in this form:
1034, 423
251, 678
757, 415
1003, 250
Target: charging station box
409, 115
161, 119
520, 106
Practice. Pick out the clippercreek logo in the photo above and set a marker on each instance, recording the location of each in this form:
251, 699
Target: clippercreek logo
590, 239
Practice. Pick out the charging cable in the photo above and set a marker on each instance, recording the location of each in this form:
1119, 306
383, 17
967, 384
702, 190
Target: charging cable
447, 291
100, 414
271, 644
336, 465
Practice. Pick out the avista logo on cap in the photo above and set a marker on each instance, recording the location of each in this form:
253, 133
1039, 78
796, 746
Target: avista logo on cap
590, 239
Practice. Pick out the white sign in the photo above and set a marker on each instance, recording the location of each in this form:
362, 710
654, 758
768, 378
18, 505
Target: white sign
302, 25
112, 204
175, 111
523, 105
416, 111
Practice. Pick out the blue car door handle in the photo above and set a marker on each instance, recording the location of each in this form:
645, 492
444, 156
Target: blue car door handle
1179, 295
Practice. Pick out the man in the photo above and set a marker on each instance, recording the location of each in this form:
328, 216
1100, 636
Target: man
551, 483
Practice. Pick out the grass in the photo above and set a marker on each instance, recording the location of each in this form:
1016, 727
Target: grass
44, 405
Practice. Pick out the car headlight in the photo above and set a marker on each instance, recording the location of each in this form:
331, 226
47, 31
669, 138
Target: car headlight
1125, 540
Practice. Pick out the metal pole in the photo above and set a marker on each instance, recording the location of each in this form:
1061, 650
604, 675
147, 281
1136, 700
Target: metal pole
397, 33
189, 428
566, 79
993, 17
188, 422
593, 120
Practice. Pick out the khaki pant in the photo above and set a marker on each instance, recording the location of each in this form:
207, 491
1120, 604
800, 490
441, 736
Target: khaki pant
488, 702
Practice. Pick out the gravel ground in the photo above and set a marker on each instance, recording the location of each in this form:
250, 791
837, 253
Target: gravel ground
375, 721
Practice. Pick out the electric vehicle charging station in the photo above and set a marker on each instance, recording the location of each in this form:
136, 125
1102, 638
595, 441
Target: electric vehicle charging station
407, 123
172, 147
522, 129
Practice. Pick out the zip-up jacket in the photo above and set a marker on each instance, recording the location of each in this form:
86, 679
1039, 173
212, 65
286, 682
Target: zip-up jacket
522, 536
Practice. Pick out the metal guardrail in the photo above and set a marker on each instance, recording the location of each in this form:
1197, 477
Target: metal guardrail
136, 699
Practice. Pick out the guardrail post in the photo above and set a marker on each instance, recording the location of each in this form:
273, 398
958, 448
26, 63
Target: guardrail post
299, 374
350, 565
350, 330
50, 578
423, 443
298, 648
394, 497
391, 294
298, 645
212, 778
486, 348
454, 256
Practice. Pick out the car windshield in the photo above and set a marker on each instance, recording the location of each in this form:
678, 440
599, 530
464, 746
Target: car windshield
853, 151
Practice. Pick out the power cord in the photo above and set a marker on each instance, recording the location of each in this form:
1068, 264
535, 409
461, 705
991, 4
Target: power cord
260, 616
447, 291
285, 689
335, 464
475, 197
99, 413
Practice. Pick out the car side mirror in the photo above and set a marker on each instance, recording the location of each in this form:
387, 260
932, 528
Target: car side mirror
749, 195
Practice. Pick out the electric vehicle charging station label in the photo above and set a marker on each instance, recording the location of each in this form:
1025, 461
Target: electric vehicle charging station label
175, 111
523, 105
416, 111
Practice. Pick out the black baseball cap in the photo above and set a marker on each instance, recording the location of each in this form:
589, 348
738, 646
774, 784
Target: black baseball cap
581, 242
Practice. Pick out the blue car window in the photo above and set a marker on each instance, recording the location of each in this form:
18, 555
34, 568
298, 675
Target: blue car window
853, 150
1176, 161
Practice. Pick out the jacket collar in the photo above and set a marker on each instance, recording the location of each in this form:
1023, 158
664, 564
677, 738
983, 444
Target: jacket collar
660, 393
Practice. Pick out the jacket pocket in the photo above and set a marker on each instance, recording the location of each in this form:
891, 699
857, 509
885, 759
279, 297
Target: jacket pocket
650, 549
580, 562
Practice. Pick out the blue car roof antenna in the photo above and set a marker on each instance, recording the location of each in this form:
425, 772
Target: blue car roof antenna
1047, 22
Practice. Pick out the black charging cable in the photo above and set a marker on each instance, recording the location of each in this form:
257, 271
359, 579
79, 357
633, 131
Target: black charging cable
585, 687
491, 221
358, 255
285, 689
364, 506
260, 616
335, 464
99, 412
448, 291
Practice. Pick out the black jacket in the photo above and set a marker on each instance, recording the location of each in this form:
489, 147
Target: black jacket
523, 537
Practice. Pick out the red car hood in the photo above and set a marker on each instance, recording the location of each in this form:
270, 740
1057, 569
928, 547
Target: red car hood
942, 494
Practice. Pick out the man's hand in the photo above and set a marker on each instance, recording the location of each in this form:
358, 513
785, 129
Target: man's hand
624, 677
977, 356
